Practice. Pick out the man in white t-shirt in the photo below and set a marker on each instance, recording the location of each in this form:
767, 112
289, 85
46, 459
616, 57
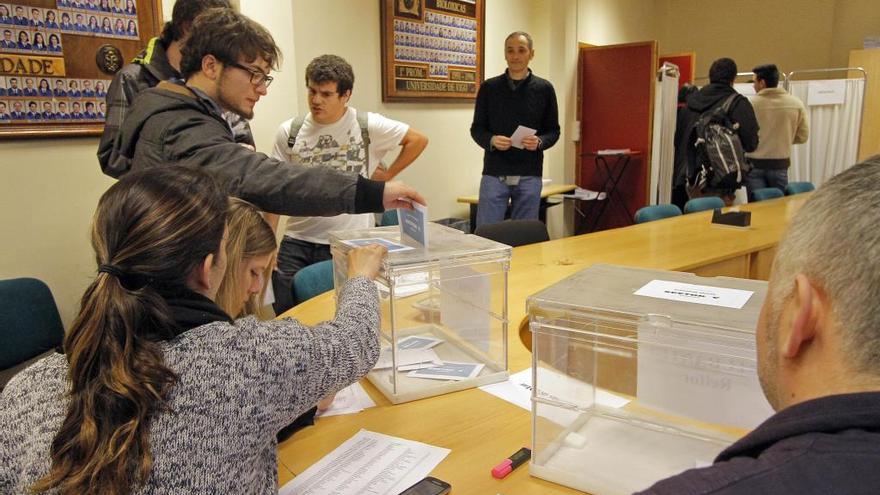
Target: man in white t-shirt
332, 135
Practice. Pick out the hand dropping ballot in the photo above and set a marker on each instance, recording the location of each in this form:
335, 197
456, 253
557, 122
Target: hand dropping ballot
414, 225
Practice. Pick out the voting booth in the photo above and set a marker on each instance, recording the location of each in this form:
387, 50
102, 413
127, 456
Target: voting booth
444, 310
641, 374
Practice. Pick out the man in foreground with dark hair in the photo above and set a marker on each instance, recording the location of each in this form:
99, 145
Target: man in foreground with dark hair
722, 73
512, 173
226, 63
159, 61
783, 120
818, 350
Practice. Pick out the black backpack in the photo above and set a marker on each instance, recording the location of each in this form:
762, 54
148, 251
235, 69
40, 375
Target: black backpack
721, 161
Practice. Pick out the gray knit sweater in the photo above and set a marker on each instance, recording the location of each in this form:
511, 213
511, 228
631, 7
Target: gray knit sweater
238, 385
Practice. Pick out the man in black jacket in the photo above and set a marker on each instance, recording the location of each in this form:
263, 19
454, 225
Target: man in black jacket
818, 349
722, 73
512, 171
226, 63
159, 61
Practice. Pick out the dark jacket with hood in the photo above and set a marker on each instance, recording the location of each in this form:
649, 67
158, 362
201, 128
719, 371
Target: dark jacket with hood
148, 69
707, 98
173, 125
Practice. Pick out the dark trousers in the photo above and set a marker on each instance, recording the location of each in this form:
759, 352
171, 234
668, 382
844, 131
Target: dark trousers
294, 255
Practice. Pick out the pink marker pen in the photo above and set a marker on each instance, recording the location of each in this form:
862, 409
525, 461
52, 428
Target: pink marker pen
508, 465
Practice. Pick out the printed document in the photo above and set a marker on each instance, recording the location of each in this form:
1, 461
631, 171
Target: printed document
368, 463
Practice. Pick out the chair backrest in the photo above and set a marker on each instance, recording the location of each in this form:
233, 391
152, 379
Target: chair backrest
312, 280
799, 187
656, 212
766, 193
703, 204
515, 232
29, 321
389, 218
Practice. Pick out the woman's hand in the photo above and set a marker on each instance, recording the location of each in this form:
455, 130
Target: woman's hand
365, 261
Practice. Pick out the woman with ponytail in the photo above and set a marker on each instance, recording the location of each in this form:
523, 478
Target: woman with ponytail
157, 390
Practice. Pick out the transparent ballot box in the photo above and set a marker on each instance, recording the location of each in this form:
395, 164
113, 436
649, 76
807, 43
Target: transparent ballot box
641, 374
444, 310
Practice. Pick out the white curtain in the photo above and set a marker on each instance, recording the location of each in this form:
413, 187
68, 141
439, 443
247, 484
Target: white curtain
663, 146
834, 135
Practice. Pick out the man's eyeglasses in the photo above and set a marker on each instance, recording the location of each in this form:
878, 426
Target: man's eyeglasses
257, 77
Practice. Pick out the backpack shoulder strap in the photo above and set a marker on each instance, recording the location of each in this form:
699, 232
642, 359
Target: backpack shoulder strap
365, 133
295, 125
729, 103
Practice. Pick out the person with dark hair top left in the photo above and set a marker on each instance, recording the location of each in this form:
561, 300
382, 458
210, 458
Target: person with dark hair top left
226, 65
158, 390
159, 61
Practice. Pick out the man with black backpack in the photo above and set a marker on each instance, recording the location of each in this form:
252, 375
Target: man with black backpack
719, 128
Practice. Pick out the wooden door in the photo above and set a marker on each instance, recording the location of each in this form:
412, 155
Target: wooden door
615, 103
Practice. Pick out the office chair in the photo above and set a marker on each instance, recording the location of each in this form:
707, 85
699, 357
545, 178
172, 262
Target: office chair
30, 325
515, 232
312, 280
656, 212
703, 204
799, 187
389, 218
766, 193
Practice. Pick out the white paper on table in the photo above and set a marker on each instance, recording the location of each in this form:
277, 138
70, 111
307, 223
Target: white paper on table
406, 357
613, 151
350, 400
697, 294
368, 462
520, 133
518, 390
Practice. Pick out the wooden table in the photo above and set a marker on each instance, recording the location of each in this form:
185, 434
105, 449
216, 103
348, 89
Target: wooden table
481, 429
546, 192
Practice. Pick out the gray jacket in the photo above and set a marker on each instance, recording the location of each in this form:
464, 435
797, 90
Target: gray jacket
171, 124
145, 71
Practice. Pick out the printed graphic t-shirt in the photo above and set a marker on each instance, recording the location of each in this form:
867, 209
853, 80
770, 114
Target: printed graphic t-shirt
339, 145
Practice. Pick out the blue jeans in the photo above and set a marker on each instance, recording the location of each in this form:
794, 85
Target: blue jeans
759, 178
525, 199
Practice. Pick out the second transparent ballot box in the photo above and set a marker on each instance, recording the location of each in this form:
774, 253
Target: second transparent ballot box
641, 374
444, 310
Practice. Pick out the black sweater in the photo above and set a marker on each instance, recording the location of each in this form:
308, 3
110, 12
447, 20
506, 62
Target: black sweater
500, 109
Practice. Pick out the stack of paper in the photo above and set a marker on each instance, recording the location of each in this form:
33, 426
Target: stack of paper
368, 463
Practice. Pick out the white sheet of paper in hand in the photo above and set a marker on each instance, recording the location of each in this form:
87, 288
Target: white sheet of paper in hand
518, 135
